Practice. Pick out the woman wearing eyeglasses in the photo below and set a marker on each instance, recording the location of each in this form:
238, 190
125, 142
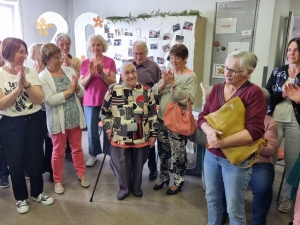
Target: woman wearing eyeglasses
220, 174
129, 116
285, 112
22, 123
64, 113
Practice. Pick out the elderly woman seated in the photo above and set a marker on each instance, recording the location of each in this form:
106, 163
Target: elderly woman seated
129, 116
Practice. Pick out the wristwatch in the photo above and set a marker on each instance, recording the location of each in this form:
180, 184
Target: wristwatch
103, 76
28, 86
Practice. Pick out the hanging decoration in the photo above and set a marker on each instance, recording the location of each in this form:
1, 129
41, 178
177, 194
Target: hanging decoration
144, 16
43, 27
98, 22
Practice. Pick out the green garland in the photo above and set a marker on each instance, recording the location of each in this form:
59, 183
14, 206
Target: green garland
144, 16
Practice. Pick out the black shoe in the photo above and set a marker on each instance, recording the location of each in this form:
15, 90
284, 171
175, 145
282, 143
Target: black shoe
68, 156
291, 223
51, 177
224, 218
160, 186
171, 192
137, 194
153, 174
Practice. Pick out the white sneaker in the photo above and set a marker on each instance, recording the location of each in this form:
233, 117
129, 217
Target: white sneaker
22, 206
59, 188
91, 161
286, 205
44, 199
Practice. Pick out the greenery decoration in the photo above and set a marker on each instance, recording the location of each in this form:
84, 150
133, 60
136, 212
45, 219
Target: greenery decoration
144, 16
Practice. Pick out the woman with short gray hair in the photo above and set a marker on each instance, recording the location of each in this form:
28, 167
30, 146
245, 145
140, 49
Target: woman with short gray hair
96, 74
220, 174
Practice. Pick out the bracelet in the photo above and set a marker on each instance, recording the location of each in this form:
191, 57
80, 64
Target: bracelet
174, 87
103, 76
29, 85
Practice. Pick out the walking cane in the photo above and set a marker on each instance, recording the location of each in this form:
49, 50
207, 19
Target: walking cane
91, 199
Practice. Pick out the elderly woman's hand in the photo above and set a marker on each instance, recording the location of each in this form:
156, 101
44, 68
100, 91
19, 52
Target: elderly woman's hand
99, 69
152, 141
92, 68
212, 138
168, 78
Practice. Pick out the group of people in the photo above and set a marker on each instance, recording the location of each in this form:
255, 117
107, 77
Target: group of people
50, 104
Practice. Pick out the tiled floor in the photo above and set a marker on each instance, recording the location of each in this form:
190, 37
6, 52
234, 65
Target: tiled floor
155, 207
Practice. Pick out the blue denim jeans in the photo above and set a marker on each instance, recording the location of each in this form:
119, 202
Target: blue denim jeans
220, 174
91, 114
4, 172
261, 183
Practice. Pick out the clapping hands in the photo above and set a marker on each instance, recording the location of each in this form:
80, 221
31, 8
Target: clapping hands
168, 77
21, 79
293, 92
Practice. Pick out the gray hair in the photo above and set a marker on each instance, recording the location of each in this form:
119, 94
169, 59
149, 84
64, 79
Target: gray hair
266, 95
124, 65
63, 36
32, 50
141, 43
100, 38
245, 59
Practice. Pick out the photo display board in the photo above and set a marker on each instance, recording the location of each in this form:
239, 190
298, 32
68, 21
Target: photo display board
235, 24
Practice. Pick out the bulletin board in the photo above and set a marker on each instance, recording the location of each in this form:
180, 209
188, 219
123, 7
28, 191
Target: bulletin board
234, 29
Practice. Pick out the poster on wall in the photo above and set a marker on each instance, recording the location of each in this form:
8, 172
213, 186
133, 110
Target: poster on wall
218, 71
226, 25
235, 46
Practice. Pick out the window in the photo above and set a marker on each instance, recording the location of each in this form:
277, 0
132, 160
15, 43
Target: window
9, 20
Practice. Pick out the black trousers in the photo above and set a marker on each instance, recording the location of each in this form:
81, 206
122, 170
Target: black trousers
16, 135
152, 159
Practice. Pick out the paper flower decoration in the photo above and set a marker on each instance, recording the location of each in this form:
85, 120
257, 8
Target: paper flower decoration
42, 26
98, 22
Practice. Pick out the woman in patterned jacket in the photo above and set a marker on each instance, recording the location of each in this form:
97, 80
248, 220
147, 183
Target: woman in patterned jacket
129, 116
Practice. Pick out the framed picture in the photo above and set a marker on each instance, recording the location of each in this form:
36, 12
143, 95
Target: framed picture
154, 33
179, 38
218, 71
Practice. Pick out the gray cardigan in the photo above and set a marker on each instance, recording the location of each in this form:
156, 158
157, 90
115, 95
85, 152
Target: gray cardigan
54, 101
186, 84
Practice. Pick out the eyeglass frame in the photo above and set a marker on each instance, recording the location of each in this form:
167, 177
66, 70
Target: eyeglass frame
231, 71
24, 53
127, 73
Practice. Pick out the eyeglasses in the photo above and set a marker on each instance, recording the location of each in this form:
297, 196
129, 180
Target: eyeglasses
57, 58
127, 72
231, 71
21, 52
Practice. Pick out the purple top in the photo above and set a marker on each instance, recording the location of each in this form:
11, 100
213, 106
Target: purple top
96, 88
254, 102
148, 73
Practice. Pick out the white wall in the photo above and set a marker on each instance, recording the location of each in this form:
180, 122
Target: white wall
295, 7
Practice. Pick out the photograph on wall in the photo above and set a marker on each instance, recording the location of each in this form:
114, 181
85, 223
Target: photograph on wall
166, 48
162, 68
109, 42
106, 28
151, 58
160, 60
130, 52
118, 57
226, 26
176, 27
128, 32
188, 26
166, 36
153, 46
131, 42
110, 35
138, 32
118, 32
154, 33
179, 38
218, 71
117, 42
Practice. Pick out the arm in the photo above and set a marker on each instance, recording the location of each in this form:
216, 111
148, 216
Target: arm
271, 135
275, 97
105, 112
7, 100
190, 88
85, 80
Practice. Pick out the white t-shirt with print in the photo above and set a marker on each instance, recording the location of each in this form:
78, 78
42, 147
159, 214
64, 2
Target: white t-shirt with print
22, 105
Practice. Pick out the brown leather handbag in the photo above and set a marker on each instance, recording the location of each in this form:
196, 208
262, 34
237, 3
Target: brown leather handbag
230, 119
178, 120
